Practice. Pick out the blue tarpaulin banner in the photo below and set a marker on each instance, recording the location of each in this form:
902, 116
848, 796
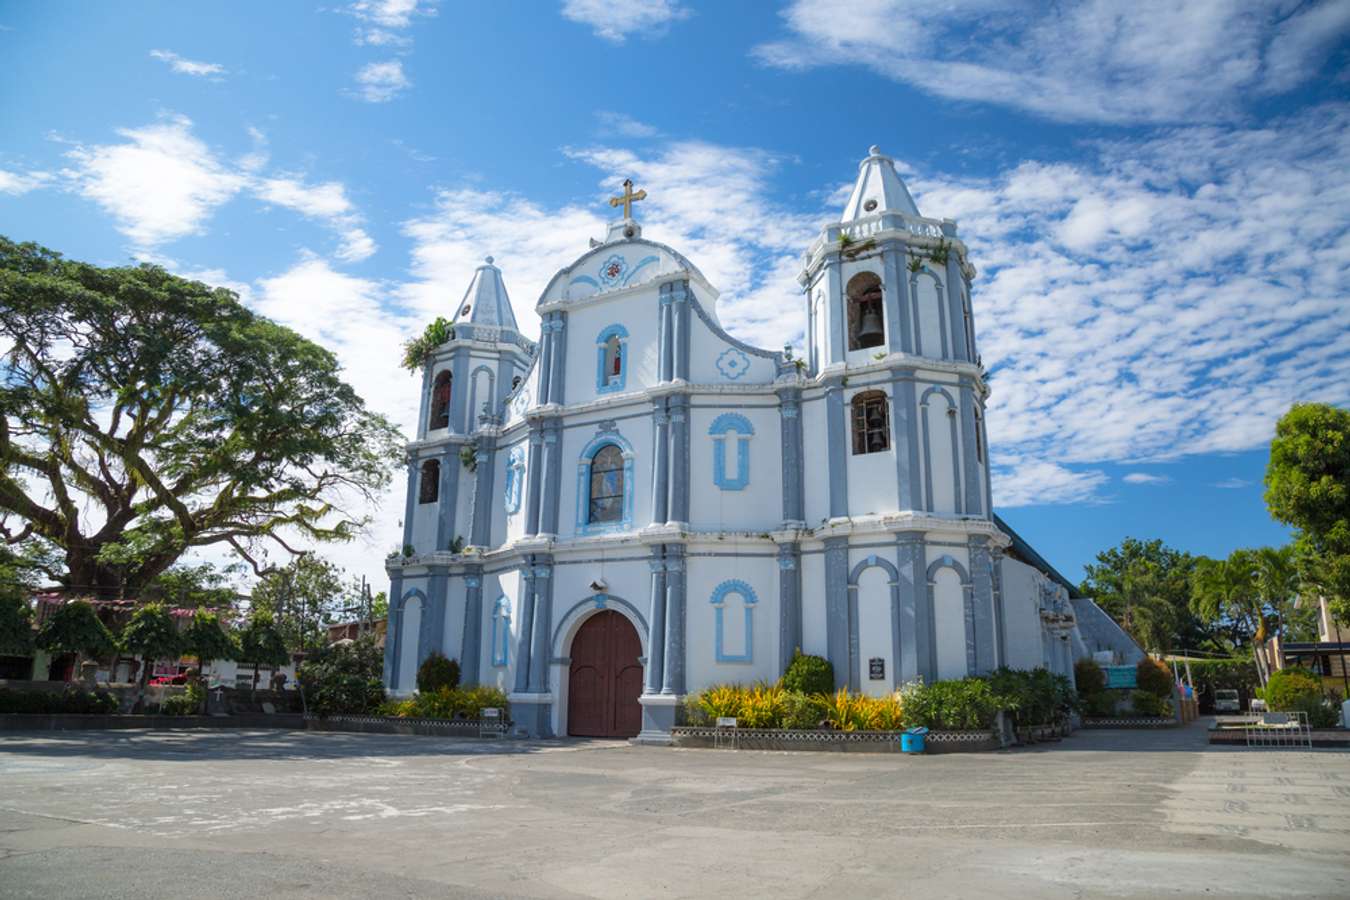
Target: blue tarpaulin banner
1121, 676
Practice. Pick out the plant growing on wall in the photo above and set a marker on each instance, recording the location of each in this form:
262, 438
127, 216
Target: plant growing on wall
915, 265
416, 351
941, 252
468, 455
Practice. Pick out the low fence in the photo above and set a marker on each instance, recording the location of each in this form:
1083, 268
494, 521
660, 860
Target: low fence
395, 725
98, 722
820, 739
1132, 722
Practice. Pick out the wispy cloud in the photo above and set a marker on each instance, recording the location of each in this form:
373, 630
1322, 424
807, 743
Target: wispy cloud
1233, 484
615, 20
623, 125
1098, 60
1145, 478
189, 66
162, 183
17, 183
380, 82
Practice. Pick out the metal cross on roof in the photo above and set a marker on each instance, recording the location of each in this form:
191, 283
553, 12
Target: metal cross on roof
628, 198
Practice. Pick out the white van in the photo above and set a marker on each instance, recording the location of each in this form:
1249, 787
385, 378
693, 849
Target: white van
1227, 700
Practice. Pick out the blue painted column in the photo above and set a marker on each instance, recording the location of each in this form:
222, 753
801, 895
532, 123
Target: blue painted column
673, 680
552, 475
837, 626
656, 640
559, 362
432, 633
956, 309
482, 492
982, 602
534, 478
470, 657
661, 464
906, 430
449, 496
525, 636
971, 463
679, 462
461, 417
790, 432
680, 297
410, 505
424, 407
546, 358
837, 447
835, 304
666, 336
896, 293
393, 629
916, 620
789, 602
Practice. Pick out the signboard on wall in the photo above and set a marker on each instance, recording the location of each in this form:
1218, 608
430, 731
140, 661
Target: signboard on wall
1121, 676
876, 669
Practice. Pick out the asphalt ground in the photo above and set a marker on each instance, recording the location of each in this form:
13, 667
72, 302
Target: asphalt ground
268, 814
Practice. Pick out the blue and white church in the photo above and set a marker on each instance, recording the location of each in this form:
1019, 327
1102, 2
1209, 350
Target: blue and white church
639, 505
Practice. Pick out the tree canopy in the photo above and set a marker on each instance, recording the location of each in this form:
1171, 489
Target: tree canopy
1308, 487
205, 639
303, 598
75, 628
1145, 586
152, 634
143, 415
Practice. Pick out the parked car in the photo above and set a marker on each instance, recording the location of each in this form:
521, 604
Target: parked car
1227, 701
168, 679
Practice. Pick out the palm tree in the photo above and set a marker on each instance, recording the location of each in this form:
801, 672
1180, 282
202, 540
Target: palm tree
1278, 583
1227, 589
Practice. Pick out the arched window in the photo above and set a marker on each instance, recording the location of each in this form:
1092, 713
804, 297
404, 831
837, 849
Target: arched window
733, 629
611, 365
440, 401
871, 423
866, 321
429, 488
606, 497
731, 433
501, 631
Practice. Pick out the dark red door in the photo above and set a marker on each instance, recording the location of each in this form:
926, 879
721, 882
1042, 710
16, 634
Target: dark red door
605, 679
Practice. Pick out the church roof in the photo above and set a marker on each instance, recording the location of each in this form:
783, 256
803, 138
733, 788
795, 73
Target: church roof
879, 189
486, 302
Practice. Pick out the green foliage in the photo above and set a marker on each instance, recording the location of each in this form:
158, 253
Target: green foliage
808, 674
1090, 677
1308, 486
804, 711
449, 703
417, 351
75, 628
437, 672
260, 644
152, 634
915, 264
468, 457
16, 625
48, 703
1033, 697
173, 417
967, 704
1145, 703
1145, 586
304, 598
1210, 675
1298, 690
1154, 676
205, 639
344, 678
188, 703
941, 253
1101, 705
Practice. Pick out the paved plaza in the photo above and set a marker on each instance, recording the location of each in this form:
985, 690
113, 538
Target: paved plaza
255, 814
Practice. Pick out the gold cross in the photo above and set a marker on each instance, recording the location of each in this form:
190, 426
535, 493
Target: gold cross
628, 198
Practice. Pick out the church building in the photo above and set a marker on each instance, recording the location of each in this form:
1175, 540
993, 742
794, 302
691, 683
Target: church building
639, 505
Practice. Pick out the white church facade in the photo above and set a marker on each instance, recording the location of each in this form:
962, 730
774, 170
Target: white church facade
640, 505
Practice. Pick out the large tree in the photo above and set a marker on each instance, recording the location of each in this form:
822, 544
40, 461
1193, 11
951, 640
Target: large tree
143, 415
304, 598
260, 644
1145, 586
1228, 590
1308, 487
151, 634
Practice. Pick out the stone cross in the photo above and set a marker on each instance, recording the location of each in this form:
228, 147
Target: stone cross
628, 198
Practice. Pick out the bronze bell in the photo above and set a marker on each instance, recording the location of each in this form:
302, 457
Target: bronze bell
871, 332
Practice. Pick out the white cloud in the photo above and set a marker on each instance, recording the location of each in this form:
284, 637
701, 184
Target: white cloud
188, 66
380, 82
625, 125
1095, 60
1232, 484
615, 20
1145, 478
18, 183
1040, 482
163, 183
390, 13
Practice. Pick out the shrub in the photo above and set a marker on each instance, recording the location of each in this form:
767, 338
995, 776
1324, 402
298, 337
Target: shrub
809, 675
803, 710
1090, 677
762, 706
1298, 690
1154, 676
449, 703
691, 711
437, 672
722, 700
1147, 703
967, 704
344, 678
188, 703
45, 703
1101, 705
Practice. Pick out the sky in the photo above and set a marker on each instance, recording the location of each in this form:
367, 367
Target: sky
1156, 195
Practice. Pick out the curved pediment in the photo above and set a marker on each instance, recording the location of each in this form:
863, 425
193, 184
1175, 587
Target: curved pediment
618, 266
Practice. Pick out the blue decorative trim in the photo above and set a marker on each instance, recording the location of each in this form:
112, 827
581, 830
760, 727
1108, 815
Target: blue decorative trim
722, 426
515, 477
733, 363
748, 601
585, 279
642, 263
584, 525
613, 270
589, 607
501, 631
618, 381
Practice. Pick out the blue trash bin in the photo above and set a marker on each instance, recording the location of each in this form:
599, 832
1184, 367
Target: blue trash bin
912, 740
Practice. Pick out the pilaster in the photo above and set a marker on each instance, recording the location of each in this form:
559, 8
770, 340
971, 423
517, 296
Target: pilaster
448, 505
679, 459
470, 655
837, 447
790, 430
486, 467
837, 626
656, 640
543, 623
525, 635
432, 632
789, 601
982, 603
673, 680
896, 294
974, 495
917, 638
410, 504
393, 621
661, 464
534, 477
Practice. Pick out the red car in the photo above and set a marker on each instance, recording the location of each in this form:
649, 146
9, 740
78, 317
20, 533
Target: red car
169, 679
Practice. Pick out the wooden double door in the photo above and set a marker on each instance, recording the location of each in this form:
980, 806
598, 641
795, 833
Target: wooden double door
605, 678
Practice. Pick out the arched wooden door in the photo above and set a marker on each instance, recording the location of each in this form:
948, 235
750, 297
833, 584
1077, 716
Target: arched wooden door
605, 678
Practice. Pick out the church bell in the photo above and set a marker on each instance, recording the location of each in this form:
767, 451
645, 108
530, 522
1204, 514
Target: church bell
871, 332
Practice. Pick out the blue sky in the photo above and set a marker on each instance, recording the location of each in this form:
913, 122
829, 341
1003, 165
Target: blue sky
1155, 194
